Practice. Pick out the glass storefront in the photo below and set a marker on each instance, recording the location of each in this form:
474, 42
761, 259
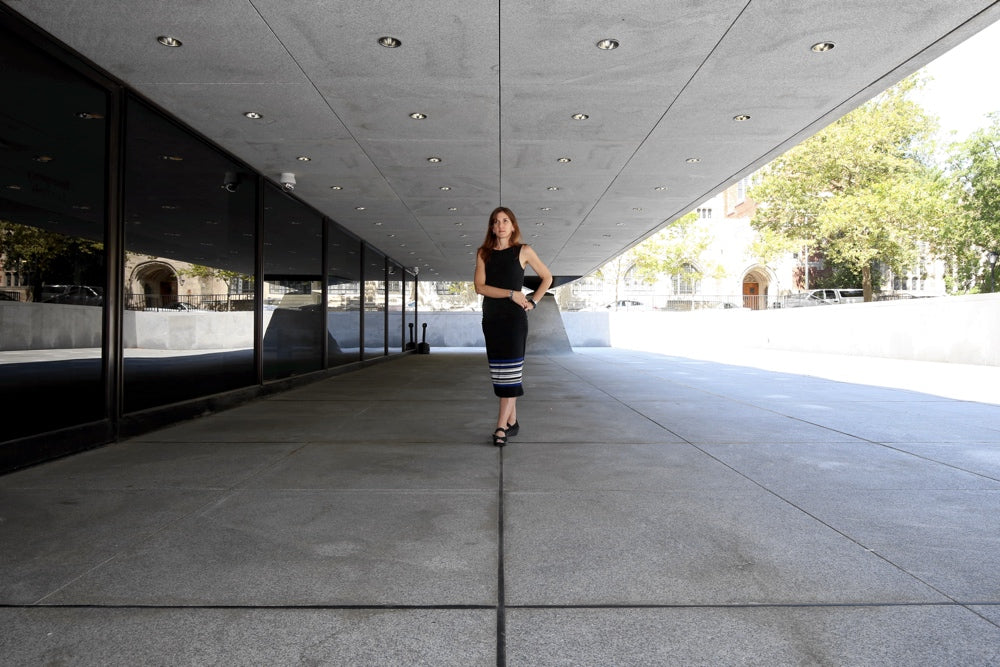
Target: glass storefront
189, 265
343, 280
53, 183
375, 302
132, 276
293, 286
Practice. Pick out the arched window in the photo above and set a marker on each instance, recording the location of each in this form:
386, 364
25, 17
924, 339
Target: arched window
686, 281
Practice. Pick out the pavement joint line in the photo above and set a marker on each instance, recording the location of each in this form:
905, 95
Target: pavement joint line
501, 601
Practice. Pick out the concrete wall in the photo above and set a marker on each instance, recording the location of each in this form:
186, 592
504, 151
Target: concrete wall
960, 329
963, 329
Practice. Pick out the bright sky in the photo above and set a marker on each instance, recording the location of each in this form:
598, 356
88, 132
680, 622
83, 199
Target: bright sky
962, 91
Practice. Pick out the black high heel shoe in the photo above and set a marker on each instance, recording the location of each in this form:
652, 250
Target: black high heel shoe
499, 440
512, 429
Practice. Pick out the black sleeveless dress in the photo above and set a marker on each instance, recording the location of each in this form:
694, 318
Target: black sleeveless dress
505, 324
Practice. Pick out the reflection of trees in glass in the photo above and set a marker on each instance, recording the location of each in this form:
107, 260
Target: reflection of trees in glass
48, 258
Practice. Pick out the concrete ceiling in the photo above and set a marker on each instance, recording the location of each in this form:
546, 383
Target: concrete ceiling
499, 83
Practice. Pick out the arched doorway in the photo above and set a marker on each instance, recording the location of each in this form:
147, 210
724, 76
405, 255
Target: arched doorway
756, 281
153, 285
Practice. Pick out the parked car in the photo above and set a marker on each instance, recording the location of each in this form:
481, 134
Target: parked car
82, 295
821, 297
626, 304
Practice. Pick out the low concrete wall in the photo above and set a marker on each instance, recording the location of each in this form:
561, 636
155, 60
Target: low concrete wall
961, 329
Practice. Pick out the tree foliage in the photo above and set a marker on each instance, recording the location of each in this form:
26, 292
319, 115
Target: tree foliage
975, 165
672, 250
862, 191
47, 257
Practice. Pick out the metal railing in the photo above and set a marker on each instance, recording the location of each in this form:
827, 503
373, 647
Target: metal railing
209, 302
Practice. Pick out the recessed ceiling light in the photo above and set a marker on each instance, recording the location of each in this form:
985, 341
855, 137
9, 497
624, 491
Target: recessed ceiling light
435, 160
336, 187
444, 187
660, 188
741, 117
389, 42
693, 160
552, 187
378, 224
359, 208
545, 208
579, 116
303, 158
253, 114
172, 158
564, 160
167, 40
452, 208
87, 115
608, 44
637, 209
822, 47
416, 115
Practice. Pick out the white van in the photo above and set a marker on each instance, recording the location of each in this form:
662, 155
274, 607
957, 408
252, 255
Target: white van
820, 297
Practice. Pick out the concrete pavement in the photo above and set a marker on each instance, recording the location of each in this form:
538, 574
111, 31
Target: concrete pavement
653, 510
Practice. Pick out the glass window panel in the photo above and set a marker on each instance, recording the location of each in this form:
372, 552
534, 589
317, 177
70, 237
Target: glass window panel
189, 265
397, 307
293, 287
53, 157
375, 296
343, 282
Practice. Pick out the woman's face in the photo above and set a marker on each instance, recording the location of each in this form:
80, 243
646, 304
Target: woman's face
502, 226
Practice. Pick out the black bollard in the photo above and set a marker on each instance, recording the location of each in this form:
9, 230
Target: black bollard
424, 348
413, 343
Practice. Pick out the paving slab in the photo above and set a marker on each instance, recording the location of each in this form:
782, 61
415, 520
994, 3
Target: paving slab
687, 548
949, 539
124, 637
843, 466
304, 547
710, 636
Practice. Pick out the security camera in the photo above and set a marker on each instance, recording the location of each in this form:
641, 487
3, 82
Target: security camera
288, 181
231, 182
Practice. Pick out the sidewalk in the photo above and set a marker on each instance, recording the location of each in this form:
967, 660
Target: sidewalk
653, 510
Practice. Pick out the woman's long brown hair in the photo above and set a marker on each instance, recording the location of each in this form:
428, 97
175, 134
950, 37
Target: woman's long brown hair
489, 244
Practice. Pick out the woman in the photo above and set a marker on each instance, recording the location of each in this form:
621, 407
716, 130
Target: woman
499, 278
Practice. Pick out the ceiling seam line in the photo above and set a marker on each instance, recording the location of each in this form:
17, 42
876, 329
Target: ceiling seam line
499, 104
360, 146
614, 180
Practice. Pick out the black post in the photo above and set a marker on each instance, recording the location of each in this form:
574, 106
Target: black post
412, 344
424, 348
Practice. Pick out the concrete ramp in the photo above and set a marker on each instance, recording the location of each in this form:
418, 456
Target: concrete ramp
546, 330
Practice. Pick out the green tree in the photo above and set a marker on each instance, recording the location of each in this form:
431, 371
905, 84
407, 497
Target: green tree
863, 191
48, 258
666, 252
975, 165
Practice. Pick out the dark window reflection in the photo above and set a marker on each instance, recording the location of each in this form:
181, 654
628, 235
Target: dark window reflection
189, 265
53, 129
397, 307
375, 303
343, 281
293, 287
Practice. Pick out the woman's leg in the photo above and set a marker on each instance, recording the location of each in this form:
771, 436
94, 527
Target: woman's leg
508, 412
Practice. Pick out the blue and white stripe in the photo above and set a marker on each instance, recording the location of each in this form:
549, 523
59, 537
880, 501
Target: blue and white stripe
506, 372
